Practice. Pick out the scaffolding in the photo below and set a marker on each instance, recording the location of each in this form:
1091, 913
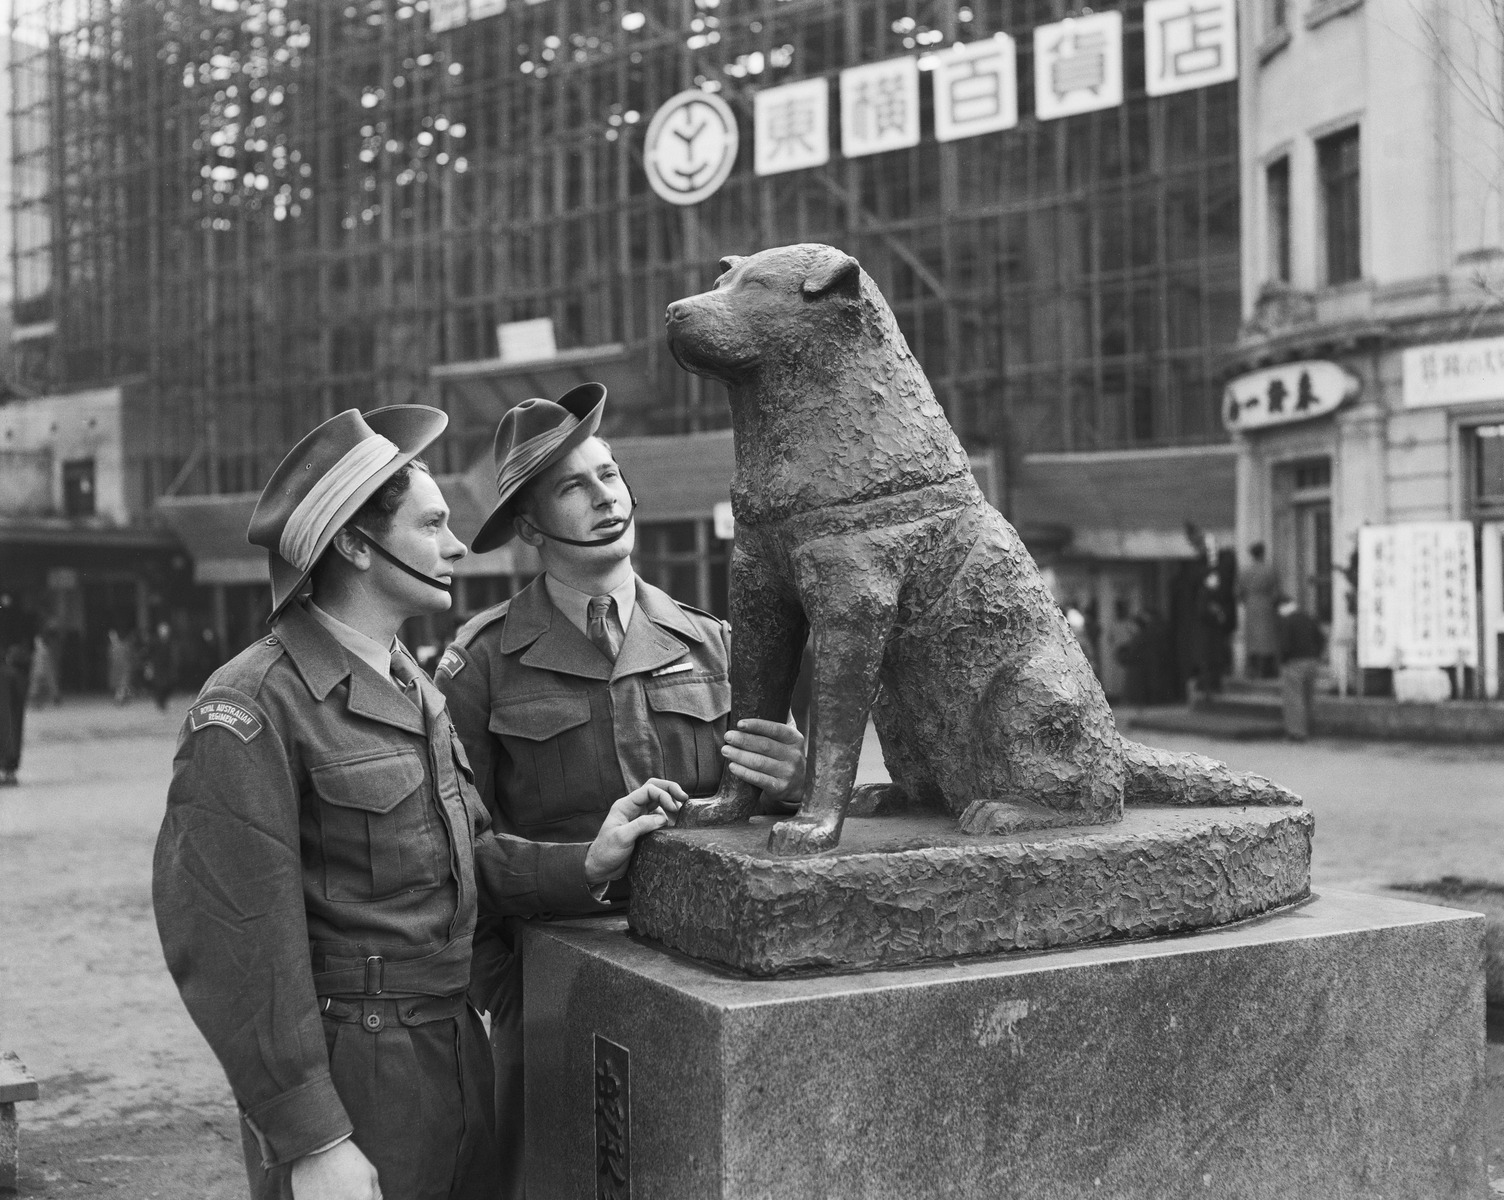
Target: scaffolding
256, 213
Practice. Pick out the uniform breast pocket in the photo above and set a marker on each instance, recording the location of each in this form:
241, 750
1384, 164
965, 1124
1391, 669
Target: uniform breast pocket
379, 831
552, 745
690, 714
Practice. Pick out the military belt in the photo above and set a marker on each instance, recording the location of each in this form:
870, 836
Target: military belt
445, 972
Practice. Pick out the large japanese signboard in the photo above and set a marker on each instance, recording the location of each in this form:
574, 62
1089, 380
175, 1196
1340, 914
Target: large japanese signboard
1417, 595
976, 89
1078, 65
791, 127
1078, 68
880, 107
1189, 44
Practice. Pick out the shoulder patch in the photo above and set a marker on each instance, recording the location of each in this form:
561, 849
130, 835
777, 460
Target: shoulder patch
487, 616
451, 664
240, 721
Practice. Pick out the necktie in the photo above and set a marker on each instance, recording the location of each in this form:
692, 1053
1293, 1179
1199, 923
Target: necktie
406, 678
603, 627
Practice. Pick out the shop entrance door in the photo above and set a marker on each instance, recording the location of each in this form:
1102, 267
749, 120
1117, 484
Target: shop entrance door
1303, 533
1313, 555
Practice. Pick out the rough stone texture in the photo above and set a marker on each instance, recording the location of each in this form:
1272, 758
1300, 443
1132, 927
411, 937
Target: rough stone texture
858, 520
1332, 1051
901, 889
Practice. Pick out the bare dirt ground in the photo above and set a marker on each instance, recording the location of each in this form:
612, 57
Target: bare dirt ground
134, 1106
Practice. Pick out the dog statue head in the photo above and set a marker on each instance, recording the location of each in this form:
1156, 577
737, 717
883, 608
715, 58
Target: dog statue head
767, 306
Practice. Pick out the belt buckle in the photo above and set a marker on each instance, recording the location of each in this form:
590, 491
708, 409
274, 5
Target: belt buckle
375, 975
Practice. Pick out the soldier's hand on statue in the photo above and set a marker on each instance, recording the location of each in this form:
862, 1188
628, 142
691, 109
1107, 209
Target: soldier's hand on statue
341, 1172
650, 807
768, 755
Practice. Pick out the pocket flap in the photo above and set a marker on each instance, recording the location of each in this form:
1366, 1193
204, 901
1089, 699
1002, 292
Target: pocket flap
539, 718
376, 783
701, 698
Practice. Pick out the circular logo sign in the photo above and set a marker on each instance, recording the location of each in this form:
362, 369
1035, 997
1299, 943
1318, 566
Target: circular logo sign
691, 147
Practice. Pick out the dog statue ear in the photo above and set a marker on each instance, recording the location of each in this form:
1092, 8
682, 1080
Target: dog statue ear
729, 262
836, 271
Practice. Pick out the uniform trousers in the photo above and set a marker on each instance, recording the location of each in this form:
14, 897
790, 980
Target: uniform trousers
419, 1092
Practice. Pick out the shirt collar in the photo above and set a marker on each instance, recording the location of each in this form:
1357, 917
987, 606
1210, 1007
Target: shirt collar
367, 649
575, 604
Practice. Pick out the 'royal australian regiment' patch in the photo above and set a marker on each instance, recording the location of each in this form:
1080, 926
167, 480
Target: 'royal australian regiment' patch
241, 722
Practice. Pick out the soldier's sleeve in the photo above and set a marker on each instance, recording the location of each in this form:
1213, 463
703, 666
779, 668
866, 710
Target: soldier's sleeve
519, 878
465, 680
227, 885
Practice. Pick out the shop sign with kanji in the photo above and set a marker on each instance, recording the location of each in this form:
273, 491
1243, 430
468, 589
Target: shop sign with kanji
1189, 44
976, 89
1078, 65
791, 127
1281, 395
880, 107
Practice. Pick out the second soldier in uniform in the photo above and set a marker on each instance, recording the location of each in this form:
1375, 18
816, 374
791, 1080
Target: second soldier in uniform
590, 681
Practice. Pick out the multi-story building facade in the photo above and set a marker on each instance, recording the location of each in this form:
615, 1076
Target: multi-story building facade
1373, 242
266, 211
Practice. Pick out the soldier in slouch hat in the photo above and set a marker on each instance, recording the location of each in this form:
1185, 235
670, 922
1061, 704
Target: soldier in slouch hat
588, 681
324, 853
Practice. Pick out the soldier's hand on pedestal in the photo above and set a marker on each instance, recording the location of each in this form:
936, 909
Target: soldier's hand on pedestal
650, 807
341, 1172
768, 755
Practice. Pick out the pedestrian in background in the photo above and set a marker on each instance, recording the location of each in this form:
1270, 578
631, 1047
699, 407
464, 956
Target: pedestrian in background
161, 665
1258, 589
16, 633
1301, 643
44, 688
122, 666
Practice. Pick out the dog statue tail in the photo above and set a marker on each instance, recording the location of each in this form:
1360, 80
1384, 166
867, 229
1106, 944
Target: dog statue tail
1165, 777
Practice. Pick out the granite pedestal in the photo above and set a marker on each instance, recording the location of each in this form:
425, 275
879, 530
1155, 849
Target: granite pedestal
1330, 1050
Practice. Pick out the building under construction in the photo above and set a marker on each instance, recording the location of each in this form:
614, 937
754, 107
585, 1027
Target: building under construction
247, 215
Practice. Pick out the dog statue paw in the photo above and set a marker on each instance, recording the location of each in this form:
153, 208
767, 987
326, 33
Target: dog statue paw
805, 835
726, 807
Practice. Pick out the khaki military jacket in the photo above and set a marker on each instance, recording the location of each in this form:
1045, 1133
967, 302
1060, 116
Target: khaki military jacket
557, 732
322, 838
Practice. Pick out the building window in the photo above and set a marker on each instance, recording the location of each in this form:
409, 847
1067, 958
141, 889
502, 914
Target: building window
1488, 469
1337, 165
78, 487
1277, 197
686, 560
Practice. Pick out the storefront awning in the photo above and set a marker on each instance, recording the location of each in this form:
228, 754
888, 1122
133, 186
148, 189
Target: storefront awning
1131, 504
77, 535
491, 386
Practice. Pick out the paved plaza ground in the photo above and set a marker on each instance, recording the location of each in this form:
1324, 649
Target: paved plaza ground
133, 1106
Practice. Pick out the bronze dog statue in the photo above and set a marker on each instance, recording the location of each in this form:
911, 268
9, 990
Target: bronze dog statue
857, 517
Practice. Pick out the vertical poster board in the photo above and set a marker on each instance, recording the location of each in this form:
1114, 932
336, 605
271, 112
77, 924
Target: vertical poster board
1417, 595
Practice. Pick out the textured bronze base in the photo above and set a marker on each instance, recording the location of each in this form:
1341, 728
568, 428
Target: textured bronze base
904, 889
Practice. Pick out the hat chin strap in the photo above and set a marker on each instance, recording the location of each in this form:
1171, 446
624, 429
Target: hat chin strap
399, 564
605, 541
